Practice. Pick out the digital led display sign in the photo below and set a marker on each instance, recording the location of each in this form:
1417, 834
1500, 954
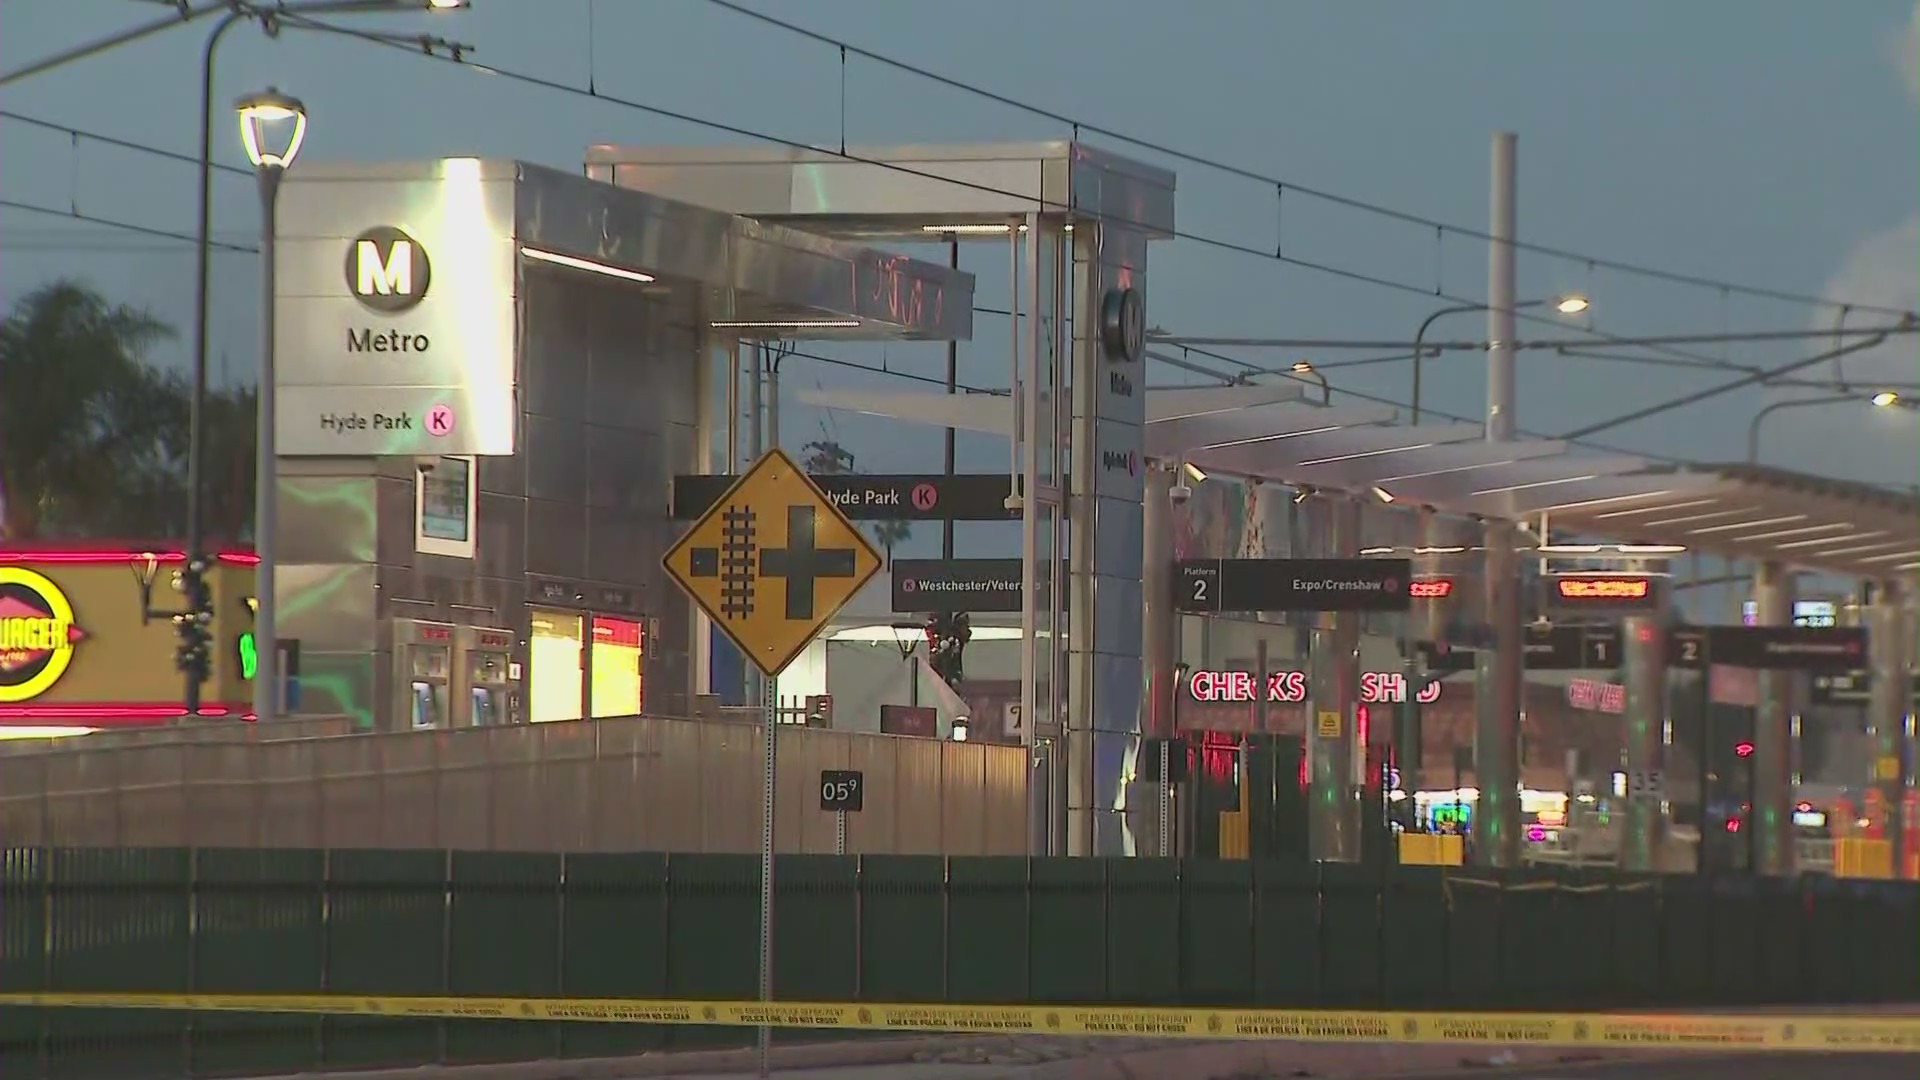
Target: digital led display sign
1290, 687
1603, 592
1435, 588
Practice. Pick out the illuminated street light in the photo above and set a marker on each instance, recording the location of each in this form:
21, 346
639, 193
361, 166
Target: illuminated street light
1885, 398
1565, 304
272, 127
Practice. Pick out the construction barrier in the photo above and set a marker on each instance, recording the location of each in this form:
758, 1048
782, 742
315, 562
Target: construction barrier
1812, 1033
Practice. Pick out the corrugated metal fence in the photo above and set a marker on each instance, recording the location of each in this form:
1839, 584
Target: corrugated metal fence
637, 783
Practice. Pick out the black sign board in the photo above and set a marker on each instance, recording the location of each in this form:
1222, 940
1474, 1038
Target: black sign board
1557, 648
549, 591
1210, 586
843, 790
941, 585
878, 497
1787, 648
1850, 688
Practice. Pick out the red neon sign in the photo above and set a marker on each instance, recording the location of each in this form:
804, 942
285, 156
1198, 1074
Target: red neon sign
1290, 687
1596, 696
1430, 588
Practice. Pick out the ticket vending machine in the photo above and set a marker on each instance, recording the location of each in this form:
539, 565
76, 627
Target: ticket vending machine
423, 665
489, 691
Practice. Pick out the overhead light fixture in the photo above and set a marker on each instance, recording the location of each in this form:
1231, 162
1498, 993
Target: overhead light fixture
1826, 540
1365, 454
272, 127
1885, 398
1382, 494
1740, 526
1889, 558
1568, 549
1303, 366
590, 266
1572, 304
1450, 550
1804, 530
448, 5
1199, 475
985, 228
1908, 566
1651, 549
1659, 508
786, 324
1302, 494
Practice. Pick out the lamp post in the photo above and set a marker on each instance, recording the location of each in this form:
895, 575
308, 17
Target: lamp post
197, 618
1881, 400
1306, 368
272, 127
1570, 304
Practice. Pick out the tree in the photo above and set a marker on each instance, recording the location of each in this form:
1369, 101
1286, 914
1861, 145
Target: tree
828, 458
93, 440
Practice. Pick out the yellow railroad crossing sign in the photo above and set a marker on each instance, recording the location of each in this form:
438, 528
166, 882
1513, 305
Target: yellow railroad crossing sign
771, 561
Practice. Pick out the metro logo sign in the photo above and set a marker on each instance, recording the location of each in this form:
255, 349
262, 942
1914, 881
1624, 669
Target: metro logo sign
37, 634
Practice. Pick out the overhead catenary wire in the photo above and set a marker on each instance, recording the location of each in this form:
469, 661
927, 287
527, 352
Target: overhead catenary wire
1280, 184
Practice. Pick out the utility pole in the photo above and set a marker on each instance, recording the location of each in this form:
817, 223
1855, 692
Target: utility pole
1496, 765
953, 386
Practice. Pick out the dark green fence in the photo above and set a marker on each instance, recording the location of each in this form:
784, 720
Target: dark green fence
875, 928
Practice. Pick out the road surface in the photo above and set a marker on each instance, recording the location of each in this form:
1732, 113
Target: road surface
1715, 1067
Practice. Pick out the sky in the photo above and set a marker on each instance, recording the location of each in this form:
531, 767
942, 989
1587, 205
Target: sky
1771, 142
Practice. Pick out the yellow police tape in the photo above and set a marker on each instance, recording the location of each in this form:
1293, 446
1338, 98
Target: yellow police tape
1899, 1034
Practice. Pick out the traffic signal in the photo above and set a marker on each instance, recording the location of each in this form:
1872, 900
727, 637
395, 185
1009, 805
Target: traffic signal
194, 625
947, 637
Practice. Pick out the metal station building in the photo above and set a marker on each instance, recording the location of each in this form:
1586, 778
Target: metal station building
479, 421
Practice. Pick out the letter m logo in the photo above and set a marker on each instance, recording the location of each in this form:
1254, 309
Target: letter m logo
387, 270
391, 276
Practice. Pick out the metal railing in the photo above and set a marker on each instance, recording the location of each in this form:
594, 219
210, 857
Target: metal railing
614, 784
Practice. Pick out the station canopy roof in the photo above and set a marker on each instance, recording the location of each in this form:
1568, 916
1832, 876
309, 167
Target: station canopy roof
1266, 432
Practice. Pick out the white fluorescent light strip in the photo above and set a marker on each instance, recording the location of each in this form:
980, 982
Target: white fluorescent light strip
1806, 530
1270, 438
1663, 522
1908, 554
982, 229
1638, 510
1529, 487
1859, 549
787, 324
588, 265
1568, 549
1908, 566
1361, 454
1651, 549
1824, 540
1453, 469
1757, 523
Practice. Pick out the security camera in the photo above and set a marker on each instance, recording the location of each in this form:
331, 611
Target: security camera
1178, 494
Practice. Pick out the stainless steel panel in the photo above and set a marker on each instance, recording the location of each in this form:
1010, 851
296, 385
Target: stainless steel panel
1115, 611
502, 475
562, 316
628, 550
625, 471
918, 801
1118, 544
556, 538
327, 606
427, 199
341, 683
784, 267
326, 519
500, 534
395, 502
556, 453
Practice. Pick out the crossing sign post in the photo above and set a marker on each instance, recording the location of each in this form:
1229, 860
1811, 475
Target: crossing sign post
770, 562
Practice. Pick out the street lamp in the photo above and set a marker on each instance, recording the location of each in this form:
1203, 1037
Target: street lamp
272, 128
1305, 367
270, 18
1881, 400
1568, 304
